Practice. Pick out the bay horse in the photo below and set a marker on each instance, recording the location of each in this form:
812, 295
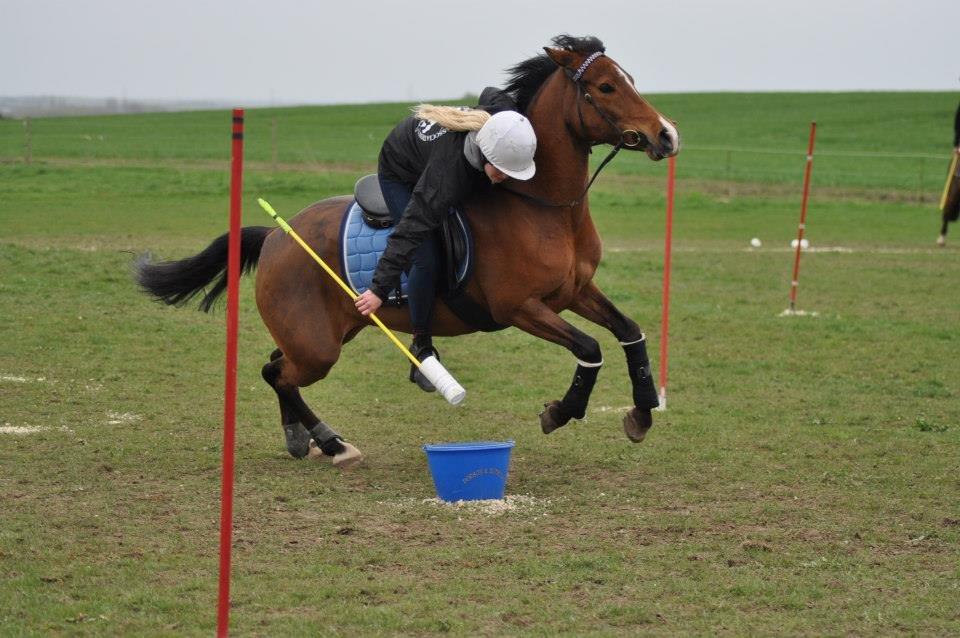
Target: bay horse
537, 250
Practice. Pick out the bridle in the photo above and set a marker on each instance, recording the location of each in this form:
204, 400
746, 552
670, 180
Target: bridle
628, 137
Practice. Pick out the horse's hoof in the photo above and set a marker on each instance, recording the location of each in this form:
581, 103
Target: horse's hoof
298, 440
636, 422
349, 458
941, 241
552, 418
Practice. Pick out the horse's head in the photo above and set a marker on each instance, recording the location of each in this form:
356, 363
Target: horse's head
608, 109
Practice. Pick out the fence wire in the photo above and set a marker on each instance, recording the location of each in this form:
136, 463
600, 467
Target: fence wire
291, 140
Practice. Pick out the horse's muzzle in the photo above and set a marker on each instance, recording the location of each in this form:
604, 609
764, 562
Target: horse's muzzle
666, 142
667, 145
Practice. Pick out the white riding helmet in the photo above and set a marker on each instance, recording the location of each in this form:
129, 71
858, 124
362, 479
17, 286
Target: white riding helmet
508, 142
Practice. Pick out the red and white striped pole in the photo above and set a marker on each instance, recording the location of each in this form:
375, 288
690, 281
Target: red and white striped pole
230, 385
795, 282
667, 251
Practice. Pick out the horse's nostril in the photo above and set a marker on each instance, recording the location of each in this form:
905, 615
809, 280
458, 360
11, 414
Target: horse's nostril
666, 141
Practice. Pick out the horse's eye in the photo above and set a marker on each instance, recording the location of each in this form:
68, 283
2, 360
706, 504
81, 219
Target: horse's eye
606, 88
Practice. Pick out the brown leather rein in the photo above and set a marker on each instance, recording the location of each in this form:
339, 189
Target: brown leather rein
628, 137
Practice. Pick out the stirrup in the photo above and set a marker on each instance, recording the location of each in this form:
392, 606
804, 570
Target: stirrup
415, 375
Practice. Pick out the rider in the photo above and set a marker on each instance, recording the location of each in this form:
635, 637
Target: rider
951, 205
431, 161
956, 131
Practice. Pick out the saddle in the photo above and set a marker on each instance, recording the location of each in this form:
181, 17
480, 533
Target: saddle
367, 226
363, 238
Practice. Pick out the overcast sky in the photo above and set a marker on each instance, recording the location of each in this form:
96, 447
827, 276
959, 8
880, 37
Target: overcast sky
334, 51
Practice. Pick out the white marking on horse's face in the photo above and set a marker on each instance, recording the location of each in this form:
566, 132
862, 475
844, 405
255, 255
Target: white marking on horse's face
628, 81
672, 134
667, 126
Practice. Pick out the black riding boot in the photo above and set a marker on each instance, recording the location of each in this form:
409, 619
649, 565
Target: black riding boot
422, 348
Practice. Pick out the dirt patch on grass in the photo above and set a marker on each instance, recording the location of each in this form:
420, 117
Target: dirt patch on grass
6, 428
511, 503
16, 378
122, 418
493, 507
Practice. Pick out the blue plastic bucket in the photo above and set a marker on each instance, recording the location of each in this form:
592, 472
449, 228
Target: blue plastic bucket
469, 471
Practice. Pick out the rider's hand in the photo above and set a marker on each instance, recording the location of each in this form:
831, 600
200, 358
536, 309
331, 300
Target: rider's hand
368, 302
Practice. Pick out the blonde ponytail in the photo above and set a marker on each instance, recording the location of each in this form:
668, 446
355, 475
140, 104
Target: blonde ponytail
453, 118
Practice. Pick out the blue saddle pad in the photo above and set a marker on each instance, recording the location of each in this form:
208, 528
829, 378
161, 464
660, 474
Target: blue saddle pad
361, 247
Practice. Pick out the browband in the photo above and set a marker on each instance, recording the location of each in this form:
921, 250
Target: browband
586, 64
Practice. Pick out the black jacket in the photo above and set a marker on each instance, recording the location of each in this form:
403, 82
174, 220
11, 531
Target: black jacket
431, 159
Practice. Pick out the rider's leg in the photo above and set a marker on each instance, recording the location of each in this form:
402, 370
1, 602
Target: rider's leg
423, 283
421, 280
423, 286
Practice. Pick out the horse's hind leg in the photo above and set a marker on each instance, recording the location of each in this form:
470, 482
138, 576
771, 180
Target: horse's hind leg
301, 426
297, 437
942, 239
593, 305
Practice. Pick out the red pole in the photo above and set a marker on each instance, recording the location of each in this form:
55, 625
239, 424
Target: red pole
795, 282
667, 251
230, 386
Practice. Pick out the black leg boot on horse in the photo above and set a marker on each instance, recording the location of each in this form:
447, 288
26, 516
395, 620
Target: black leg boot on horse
639, 420
297, 437
593, 305
538, 319
573, 405
306, 434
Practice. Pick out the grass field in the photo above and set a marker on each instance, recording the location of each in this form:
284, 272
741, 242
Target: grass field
803, 481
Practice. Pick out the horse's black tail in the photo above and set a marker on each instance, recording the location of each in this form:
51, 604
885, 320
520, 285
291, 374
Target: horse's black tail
177, 282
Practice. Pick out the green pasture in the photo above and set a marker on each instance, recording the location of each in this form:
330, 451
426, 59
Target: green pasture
802, 482
889, 141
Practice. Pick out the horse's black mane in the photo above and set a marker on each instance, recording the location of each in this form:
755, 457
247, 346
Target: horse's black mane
526, 77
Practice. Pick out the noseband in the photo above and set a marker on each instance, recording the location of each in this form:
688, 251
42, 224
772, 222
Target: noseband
628, 137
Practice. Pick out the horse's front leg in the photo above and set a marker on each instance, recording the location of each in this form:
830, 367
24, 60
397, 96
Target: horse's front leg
593, 305
537, 319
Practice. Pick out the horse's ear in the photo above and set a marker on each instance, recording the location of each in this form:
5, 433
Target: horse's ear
560, 56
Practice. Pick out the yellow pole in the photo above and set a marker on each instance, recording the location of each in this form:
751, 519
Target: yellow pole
347, 289
946, 187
